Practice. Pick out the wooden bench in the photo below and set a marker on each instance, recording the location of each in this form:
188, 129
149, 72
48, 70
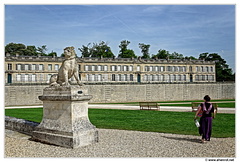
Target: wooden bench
149, 106
196, 104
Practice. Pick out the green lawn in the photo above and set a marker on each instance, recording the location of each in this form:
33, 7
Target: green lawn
150, 121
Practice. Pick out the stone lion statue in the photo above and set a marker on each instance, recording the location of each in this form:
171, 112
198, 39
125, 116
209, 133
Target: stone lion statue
68, 69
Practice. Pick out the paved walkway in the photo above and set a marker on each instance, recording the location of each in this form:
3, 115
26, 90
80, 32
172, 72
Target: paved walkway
122, 143
133, 107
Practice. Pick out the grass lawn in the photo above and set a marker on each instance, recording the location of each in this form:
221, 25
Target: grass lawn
150, 121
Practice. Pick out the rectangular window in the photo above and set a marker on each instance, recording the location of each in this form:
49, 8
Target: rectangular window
9, 66
41, 77
33, 66
26, 67
105, 68
26, 78
18, 77
119, 68
49, 67
41, 67
18, 67
138, 68
86, 67
56, 67
130, 68
150, 68
33, 77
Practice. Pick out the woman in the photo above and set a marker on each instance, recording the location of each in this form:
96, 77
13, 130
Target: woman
205, 128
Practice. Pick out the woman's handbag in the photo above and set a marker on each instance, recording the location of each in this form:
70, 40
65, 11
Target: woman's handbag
197, 123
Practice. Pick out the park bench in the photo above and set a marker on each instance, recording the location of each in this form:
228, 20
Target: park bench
196, 104
149, 106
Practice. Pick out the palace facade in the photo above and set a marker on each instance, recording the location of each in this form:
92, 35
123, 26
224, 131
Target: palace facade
38, 69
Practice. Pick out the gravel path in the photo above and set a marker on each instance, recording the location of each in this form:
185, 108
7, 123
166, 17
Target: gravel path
121, 143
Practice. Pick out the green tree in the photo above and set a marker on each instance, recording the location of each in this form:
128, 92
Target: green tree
96, 50
124, 52
223, 72
15, 48
42, 50
162, 54
145, 50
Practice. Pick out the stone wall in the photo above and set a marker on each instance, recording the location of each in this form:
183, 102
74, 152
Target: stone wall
110, 93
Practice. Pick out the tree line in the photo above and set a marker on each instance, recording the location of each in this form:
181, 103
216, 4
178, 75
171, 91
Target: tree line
223, 71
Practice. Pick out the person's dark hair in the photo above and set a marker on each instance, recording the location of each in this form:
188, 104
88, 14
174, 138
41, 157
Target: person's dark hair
207, 98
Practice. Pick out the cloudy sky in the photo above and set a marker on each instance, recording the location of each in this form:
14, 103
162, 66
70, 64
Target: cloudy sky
186, 29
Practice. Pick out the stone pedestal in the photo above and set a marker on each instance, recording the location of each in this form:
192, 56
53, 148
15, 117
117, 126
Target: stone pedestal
65, 118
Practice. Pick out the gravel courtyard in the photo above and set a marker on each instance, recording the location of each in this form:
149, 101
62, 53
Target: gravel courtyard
121, 143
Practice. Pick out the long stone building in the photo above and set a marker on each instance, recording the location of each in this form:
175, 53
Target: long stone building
38, 69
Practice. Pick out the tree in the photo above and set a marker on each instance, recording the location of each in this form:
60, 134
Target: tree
15, 48
124, 52
162, 54
144, 49
21, 49
97, 50
223, 72
42, 50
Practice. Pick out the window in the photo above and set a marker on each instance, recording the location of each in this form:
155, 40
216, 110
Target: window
207, 69
49, 66
99, 68
131, 77
113, 68
184, 78
113, 77
56, 67
41, 67
211, 69
196, 68
26, 67
130, 68
33, 66
138, 68
33, 77
49, 76
150, 68
26, 78
9, 66
169, 68
119, 68
18, 77
18, 67
161, 68
202, 68
146, 68
41, 77
190, 68
86, 67
184, 68
105, 68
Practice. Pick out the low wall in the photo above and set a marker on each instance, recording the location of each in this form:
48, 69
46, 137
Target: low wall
109, 93
20, 125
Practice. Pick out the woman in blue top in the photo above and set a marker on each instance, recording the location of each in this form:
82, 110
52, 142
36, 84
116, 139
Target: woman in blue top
205, 128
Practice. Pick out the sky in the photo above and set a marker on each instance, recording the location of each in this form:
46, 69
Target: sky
186, 29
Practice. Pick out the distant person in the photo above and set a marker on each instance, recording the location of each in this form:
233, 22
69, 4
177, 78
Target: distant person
205, 110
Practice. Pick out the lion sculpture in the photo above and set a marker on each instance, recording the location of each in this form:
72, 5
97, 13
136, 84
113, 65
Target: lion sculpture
68, 69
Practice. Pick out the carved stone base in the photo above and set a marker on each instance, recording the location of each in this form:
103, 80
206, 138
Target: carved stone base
65, 118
